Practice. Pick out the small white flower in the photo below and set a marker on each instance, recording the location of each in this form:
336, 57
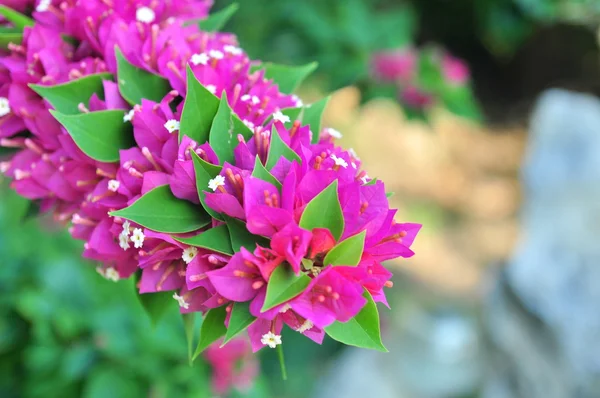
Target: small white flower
43, 5
333, 133
271, 339
4, 106
112, 274
198, 59
216, 54
172, 125
126, 228
297, 100
245, 97
280, 117
182, 303
352, 153
189, 254
128, 116
339, 161
255, 100
145, 15
216, 182
124, 240
233, 50
212, 88
113, 185
137, 237
307, 325
248, 123
365, 179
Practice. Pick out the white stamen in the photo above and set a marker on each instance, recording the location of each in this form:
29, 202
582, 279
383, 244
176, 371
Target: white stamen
216, 182
198, 59
245, 98
43, 5
216, 54
124, 240
352, 153
212, 88
4, 106
297, 100
137, 238
255, 100
271, 339
248, 123
182, 303
145, 15
285, 308
113, 185
333, 133
339, 161
307, 325
365, 179
280, 117
128, 116
233, 50
172, 125
189, 254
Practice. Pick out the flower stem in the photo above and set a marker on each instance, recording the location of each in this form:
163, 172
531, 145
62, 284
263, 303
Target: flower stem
281, 362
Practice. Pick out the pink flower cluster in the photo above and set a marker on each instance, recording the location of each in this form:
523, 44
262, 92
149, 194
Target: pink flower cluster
49, 167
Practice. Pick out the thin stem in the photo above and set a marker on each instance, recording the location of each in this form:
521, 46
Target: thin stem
281, 361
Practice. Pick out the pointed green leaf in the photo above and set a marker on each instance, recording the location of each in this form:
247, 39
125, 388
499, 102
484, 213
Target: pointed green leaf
347, 252
239, 320
216, 239
278, 148
262, 173
389, 194
19, 20
213, 328
284, 285
372, 182
204, 173
10, 35
293, 113
288, 78
324, 211
155, 304
100, 135
66, 97
224, 130
199, 109
160, 211
188, 327
241, 237
362, 331
313, 115
217, 20
136, 83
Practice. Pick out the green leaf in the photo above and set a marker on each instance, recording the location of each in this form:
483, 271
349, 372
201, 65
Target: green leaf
217, 20
261, 172
362, 330
156, 304
204, 173
241, 237
372, 182
278, 148
216, 239
100, 135
160, 211
199, 109
239, 320
10, 35
389, 194
188, 327
313, 115
136, 83
288, 78
19, 20
284, 285
293, 113
347, 252
224, 130
324, 211
66, 97
213, 328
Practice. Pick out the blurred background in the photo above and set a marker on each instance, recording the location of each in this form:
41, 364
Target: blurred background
482, 116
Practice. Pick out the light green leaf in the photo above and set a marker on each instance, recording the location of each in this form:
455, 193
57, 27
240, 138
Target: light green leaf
239, 320
223, 132
136, 83
262, 173
19, 20
361, 331
278, 148
241, 237
160, 211
66, 97
100, 135
324, 211
10, 35
204, 173
313, 115
288, 78
389, 194
284, 285
216, 239
347, 252
293, 113
188, 327
213, 328
217, 20
199, 109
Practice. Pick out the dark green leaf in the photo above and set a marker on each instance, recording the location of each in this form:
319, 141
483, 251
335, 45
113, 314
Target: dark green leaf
324, 211
100, 135
66, 97
239, 320
284, 285
160, 211
204, 173
19, 20
288, 78
217, 20
156, 304
241, 237
188, 327
213, 328
262, 173
347, 252
216, 239
362, 330
136, 83
278, 148
199, 109
313, 115
223, 132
